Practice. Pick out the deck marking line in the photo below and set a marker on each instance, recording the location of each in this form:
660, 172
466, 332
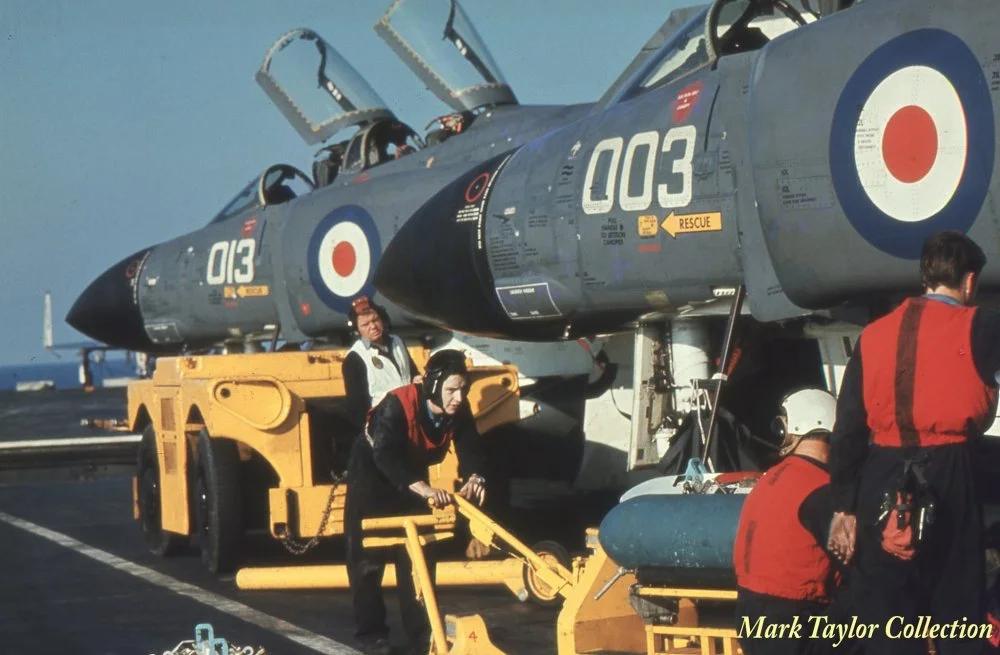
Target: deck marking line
301, 636
70, 441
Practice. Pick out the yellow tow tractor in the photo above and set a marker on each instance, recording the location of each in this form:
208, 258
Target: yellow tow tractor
240, 442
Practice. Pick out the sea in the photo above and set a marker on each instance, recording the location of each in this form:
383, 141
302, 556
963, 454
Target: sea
64, 374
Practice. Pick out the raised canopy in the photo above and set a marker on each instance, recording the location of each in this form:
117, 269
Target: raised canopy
316, 89
438, 42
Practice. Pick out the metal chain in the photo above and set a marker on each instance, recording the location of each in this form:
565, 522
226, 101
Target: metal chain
296, 547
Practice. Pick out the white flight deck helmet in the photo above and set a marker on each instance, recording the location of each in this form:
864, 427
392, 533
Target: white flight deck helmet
805, 411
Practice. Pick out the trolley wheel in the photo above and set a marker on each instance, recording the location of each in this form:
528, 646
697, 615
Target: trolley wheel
217, 499
539, 592
159, 541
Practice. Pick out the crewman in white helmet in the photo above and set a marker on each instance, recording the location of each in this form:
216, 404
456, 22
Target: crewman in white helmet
784, 574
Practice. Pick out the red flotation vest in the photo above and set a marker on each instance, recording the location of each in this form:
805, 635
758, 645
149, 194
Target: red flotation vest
774, 554
921, 386
409, 398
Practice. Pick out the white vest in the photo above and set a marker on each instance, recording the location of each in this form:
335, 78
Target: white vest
382, 374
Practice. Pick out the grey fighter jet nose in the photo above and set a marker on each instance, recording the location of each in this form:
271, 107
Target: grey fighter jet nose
108, 309
433, 269
437, 266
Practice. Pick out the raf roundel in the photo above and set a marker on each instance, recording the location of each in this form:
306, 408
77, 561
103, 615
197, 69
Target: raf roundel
912, 141
343, 252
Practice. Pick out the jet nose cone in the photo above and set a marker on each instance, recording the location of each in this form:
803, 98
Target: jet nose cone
433, 269
108, 309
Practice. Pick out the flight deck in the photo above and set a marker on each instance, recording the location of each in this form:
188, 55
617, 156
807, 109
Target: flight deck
78, 577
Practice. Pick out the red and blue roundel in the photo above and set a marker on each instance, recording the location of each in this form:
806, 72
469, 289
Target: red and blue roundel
912, 142
343, 252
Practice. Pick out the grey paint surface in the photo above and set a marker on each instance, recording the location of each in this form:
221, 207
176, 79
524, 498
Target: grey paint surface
748, 159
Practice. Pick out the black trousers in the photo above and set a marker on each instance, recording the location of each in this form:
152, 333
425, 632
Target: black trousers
945, 580
371, 495
753, 609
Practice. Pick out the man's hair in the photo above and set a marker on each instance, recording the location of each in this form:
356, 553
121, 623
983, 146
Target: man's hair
947, 257
362, 305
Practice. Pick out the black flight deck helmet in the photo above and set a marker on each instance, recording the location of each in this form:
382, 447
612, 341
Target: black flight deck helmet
440, 367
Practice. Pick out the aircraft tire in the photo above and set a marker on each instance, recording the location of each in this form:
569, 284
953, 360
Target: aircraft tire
539, 592
150, 501
217, 500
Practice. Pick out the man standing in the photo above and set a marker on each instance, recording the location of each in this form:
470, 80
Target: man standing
406, 433
919, 390
377, 363
783, 572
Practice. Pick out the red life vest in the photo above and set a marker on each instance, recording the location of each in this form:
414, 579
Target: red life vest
774, 554
921, 386
409, 398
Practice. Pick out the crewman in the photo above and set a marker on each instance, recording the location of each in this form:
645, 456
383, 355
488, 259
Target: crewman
377, 363
918, 392
784, 575
407, 432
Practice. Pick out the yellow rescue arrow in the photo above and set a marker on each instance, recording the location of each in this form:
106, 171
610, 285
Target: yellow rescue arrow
252, 292
675, 224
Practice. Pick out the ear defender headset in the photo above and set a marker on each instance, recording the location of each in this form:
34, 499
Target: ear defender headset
363, 305
440, 367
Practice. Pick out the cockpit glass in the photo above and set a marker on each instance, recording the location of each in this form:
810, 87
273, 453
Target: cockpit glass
685, 52
437, 40
319, 92
244, 200
777, 23
731, 11
283, 183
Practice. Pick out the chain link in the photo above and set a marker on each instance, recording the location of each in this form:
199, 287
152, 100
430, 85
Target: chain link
296, 547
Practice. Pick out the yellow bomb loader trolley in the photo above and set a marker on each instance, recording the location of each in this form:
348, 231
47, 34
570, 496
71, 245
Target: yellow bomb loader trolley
606, 609
232, 443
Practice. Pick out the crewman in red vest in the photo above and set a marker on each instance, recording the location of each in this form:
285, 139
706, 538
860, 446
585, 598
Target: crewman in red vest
783, 573
918, 392
406, 433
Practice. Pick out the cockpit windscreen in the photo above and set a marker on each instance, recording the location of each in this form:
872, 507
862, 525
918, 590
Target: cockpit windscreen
438, 42
319, 92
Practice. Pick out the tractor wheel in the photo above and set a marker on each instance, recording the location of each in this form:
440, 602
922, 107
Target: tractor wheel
217, 499
159, 541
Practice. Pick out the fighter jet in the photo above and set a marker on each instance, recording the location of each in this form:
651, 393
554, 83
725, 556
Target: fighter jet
762, 151
290, 251
790, 155
805, 160
281, 262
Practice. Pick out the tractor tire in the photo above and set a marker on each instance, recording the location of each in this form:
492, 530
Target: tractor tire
159, 541
217, 503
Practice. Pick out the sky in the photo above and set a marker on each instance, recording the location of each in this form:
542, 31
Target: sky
124, 124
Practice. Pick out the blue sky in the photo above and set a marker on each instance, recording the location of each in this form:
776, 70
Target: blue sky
127, 123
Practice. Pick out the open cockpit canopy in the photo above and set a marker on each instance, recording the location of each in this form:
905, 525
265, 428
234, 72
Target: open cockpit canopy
438, 42
316, 89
